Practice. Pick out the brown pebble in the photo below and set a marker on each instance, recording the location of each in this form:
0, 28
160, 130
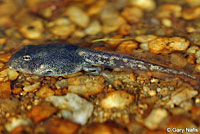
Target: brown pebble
60, 126
86, 85
133, 14
18, 130
96, 8
164, 91
5, 57
191, 13
103, 128
127, 46
125, 29
33, 30
191, 59
178, 60
17, 90
5, 90
45, 91
41, 112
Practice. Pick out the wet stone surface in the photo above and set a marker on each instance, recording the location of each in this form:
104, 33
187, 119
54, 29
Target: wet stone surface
117, 101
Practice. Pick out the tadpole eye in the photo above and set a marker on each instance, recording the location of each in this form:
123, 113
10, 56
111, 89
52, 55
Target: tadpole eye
27, 57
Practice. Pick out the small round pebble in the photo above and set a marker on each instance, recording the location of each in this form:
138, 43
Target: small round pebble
133, 14
111, 21
166, 22
148, 5
93, 28
145, 38
152, 92
192, 49
33, 30
117, 99
191, 13
169, 10
61, 27
127, 46
78, 16
197, 68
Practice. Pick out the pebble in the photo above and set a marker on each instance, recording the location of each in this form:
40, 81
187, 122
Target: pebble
191, 13
178, 43
178, 60
194, 38
192, 49
8, 8
103, 128
45, 91
166, 22
78, 16
61, 27
157, 45
5, 91
155, 118
193, 3
197, 68
32, 88
41, 112
147, 5
61, 84
5, 57
60, 126
47, 12
93, 28
15, 122
8, 74
151, 92
86, 85
112, 21
78, 33
183, 93
132, 14
125, 29
197, 54
127, 46
145, 38
117, 99
164, 91
191, 59
144, 46
73, 107
6, 21
161, 44
16, 91
190, 29
96, 8
33, 30
169, 10
198, 60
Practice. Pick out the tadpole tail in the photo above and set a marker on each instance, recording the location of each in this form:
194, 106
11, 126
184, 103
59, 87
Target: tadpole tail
136, 64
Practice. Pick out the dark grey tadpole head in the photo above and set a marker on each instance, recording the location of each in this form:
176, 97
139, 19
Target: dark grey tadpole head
47, 60
22, 60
